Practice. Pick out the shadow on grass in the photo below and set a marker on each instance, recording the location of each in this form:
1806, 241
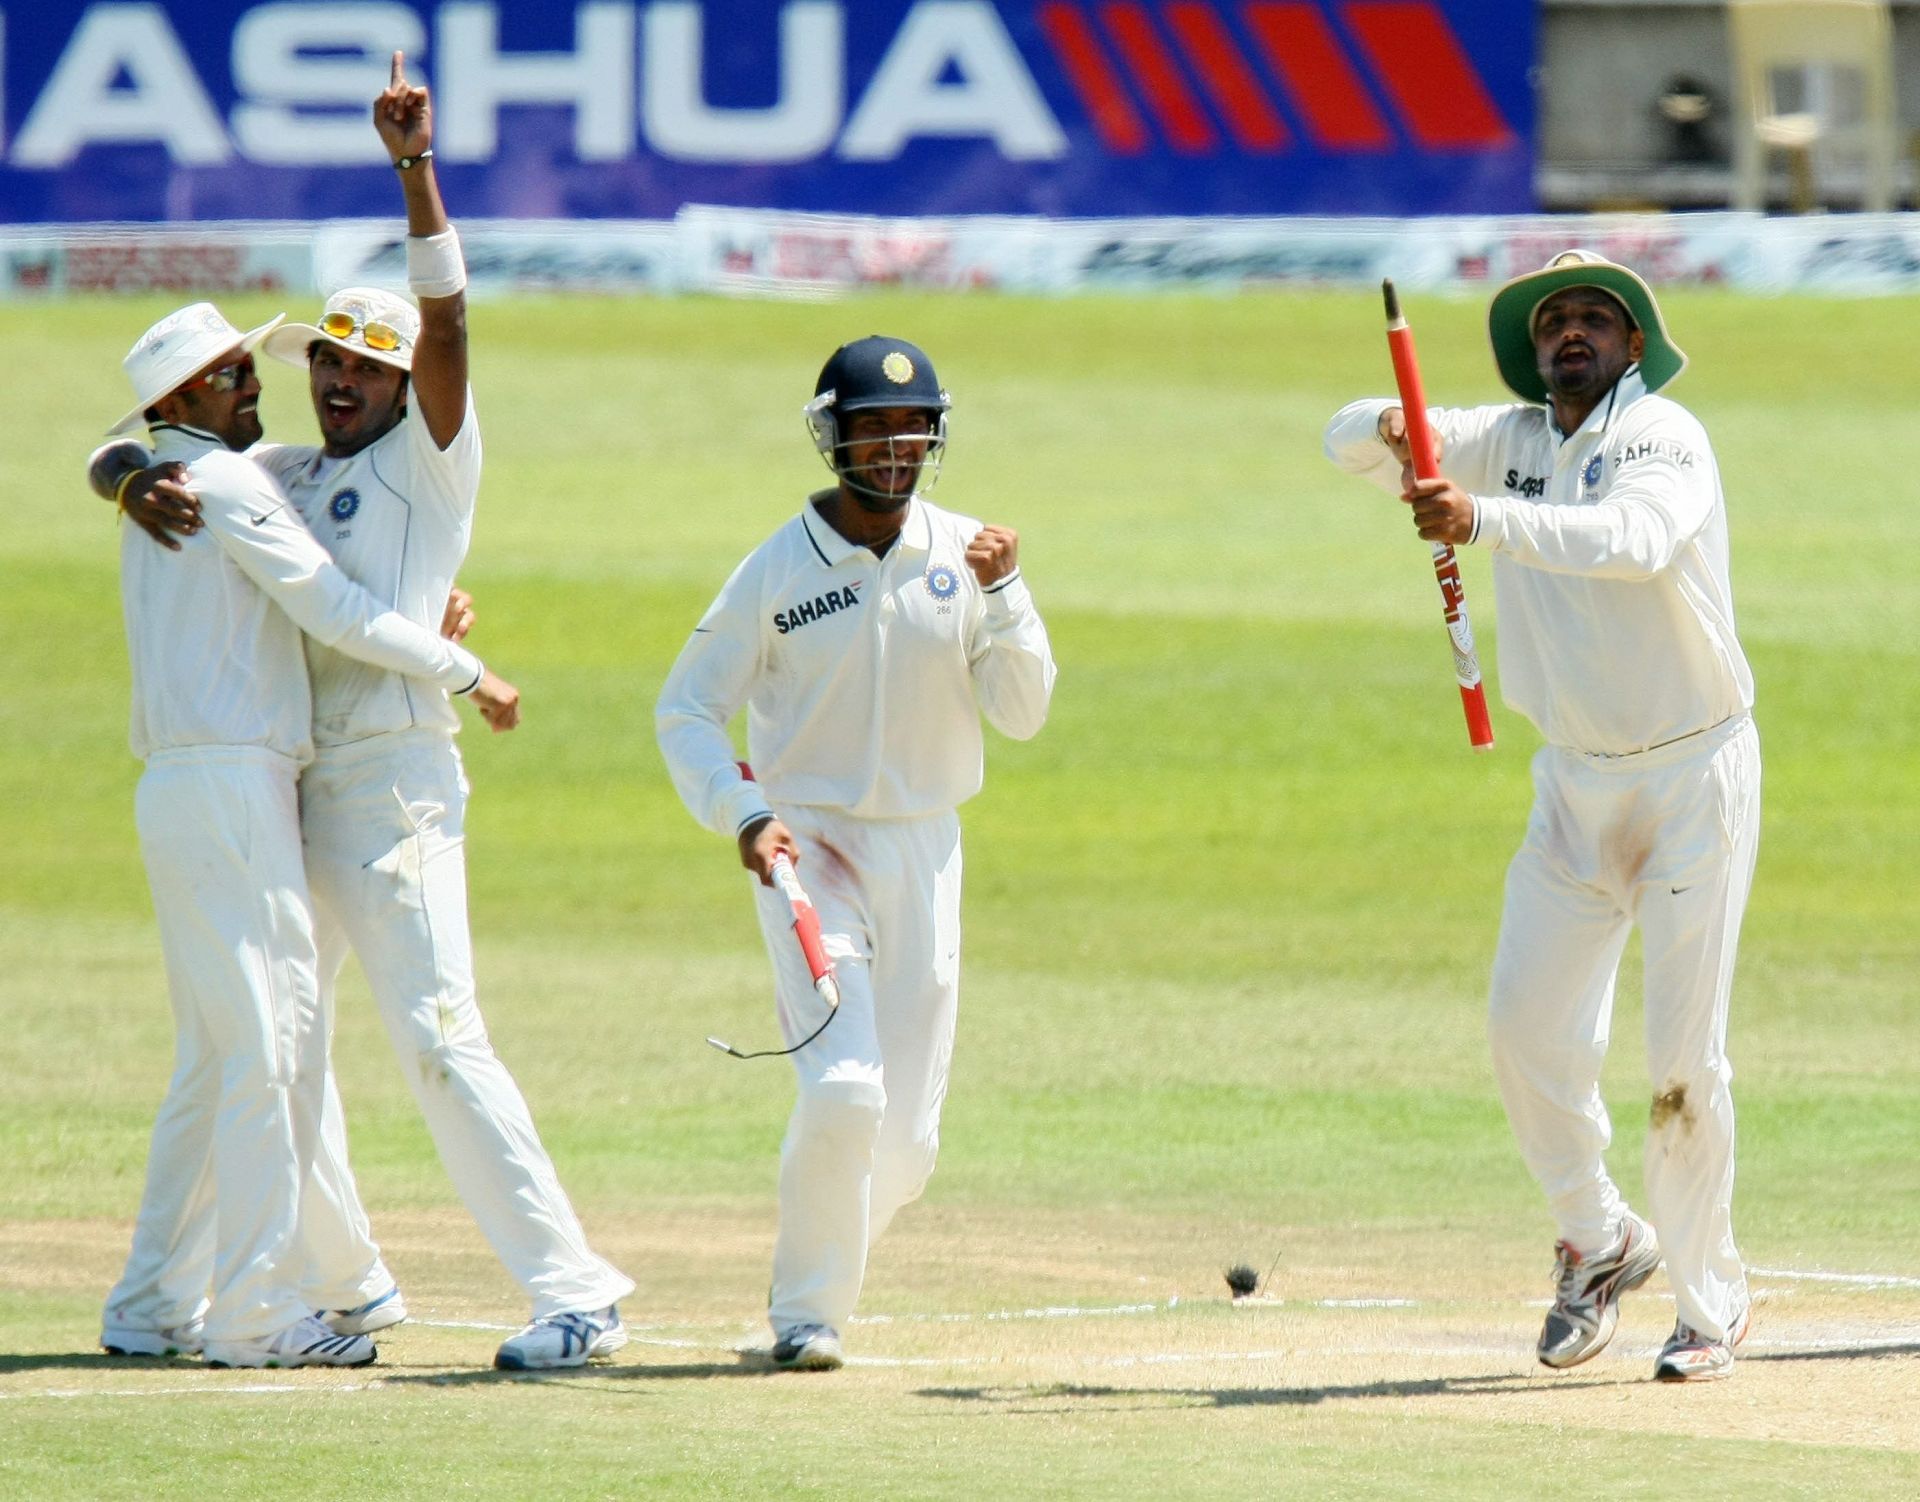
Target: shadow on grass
1044, 1399
1048, 1398
96, 1361
745, 1366
99, 1362
1836, 1353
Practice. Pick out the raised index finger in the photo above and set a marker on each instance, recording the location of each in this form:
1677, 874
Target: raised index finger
399, 79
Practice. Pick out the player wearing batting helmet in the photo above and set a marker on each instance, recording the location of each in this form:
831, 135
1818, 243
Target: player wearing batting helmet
865, 638
1600, 500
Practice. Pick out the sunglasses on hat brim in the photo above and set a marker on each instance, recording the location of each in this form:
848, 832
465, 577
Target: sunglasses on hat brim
382, 337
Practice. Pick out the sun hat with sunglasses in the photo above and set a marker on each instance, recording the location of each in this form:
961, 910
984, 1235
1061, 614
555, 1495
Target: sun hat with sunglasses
368, 321
191, 343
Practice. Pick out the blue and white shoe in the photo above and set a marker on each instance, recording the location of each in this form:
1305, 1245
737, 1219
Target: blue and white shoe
808, 1348
144, 1340
382, 1313
557, 1340
306, 1342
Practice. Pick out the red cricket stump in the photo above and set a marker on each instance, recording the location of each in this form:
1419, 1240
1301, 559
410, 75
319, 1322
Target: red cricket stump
1446, 568
806, 929
806, 921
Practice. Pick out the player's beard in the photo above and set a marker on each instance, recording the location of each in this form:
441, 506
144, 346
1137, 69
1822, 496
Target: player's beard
873, 499
1589, 378
877, 502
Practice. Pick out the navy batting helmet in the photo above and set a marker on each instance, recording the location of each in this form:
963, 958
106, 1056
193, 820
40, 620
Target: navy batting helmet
876, 372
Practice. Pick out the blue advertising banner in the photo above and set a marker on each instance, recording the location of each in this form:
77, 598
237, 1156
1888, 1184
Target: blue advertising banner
225, 109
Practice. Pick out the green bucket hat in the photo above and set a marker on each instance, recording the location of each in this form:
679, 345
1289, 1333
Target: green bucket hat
1510, 320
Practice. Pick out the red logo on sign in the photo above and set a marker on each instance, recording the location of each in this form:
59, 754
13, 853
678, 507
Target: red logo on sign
1139, 70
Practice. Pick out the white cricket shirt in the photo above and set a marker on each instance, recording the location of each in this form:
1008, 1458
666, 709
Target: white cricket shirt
864, 678
1609, 561
397, 517
214, 630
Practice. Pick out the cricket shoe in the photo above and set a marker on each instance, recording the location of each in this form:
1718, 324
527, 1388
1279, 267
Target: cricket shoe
1586, 1301
144, 1340
556, 1340
1689, 1356
382, 1313
305, 1342
808, 1348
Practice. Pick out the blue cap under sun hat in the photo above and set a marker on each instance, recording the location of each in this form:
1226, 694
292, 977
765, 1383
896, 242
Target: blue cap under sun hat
1510, 320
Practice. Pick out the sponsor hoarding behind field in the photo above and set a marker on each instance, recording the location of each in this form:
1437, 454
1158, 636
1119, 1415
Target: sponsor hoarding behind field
621, 109
746, 252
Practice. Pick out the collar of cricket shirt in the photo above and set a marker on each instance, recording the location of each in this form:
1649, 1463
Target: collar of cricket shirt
175, 440
916, 533
1626, 391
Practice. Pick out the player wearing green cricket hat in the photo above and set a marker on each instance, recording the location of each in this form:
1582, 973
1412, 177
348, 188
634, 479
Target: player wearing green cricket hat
1600, 501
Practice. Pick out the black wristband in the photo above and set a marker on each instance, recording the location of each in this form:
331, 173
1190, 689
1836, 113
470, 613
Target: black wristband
408, 163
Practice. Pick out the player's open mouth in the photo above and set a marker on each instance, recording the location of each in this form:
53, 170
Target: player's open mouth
340, 409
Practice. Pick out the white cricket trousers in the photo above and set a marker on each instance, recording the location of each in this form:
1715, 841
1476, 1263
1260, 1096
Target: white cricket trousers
1666, 839
385, 829
220, 834
865, 1129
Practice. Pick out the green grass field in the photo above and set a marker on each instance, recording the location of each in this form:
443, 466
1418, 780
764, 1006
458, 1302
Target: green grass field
1229, 920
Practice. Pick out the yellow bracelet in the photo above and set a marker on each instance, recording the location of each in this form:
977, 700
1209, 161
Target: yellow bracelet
120, 490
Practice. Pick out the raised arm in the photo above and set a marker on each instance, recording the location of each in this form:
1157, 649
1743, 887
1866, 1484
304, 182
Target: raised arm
1009, 654
436, 273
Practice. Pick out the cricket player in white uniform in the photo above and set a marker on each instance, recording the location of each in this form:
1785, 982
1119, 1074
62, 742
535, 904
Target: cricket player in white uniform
1601, 504
865, 638
221, 717
390, 493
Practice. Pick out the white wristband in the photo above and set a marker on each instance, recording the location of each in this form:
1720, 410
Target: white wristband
435, 267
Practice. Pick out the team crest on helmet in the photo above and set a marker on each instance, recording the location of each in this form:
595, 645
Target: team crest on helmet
344, 504
897, 368
942, 582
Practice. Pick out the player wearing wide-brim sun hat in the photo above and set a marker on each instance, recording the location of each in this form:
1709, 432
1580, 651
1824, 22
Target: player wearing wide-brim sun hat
179, 348
367, 321
1511, 314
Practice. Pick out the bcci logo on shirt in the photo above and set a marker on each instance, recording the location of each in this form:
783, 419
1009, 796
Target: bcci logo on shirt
344, 504
942, 582
1590, 478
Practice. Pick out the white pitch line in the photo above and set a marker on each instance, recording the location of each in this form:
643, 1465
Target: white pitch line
1063, 1311
207, 1390
1855, 1280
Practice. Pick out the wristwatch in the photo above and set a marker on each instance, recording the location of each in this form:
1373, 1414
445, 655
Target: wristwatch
408, 163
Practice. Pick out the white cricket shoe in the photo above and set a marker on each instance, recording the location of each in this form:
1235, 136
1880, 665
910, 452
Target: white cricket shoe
1689, 1356
557, 1340
305, 1342
382, 1313
144, 1340
808, 1348
1586, 1303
